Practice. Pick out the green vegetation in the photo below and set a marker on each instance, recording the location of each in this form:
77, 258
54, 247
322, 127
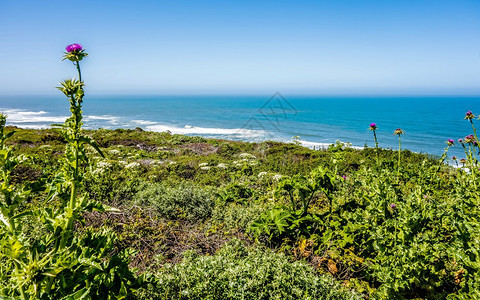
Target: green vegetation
122, 214
350, 223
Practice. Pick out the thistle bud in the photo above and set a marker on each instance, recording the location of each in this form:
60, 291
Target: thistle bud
398, 132
469, 115
469, 139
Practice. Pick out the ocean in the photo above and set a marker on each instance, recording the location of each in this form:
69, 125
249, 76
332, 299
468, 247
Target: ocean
317, 121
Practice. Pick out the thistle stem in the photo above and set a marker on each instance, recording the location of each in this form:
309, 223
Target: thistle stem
376, 145
399, 149
474, 130
77, 64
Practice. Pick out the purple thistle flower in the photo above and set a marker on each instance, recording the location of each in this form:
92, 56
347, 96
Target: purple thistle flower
74, 48
450, 142
344, 177
460, 141
463, 161
398, 131
469, 138
454, 157
469, 115
373, 126
393, 205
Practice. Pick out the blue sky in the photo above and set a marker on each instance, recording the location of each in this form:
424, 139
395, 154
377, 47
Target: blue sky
225, 47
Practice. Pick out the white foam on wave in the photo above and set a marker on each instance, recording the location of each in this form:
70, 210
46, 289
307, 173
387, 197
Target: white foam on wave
113, 120
23, 118
143, 122
189, 129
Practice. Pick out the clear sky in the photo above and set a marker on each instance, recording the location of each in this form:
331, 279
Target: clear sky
192, 47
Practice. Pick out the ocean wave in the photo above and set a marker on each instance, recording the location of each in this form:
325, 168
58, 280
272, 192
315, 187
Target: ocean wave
19, 117
189, 129
143, 122
112, 120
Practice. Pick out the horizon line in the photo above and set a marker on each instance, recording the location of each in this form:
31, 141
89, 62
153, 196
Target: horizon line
246, 95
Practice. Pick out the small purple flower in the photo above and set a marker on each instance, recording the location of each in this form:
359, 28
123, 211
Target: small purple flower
373, 126
344, 177
393, 205
425, 196
74, 48
450, 142
454, 157
460, 141
469, 115
469, 139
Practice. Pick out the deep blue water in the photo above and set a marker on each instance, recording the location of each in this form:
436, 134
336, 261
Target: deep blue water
427, 121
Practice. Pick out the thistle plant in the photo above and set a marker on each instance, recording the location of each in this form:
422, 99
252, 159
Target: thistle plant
470, 116
373, 127
399, 132
60, 264
450, 143
73, 89
472, 141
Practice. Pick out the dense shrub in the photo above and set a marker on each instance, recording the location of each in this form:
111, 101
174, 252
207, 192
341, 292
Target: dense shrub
237, 272
235, 216
184, 201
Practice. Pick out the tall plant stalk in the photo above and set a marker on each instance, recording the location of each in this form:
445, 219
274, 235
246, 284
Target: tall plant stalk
72, 131
373, 127
399, 132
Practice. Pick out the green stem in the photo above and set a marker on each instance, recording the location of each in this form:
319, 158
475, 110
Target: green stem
476, 139
399, 149
376, 145
77, 64
73, 195
474, 130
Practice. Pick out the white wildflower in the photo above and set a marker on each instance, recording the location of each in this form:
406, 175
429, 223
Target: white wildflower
262, 174
203, 164
222, 166
133, 165
104, 165
205, 168
247, 156
277, 177
156, 162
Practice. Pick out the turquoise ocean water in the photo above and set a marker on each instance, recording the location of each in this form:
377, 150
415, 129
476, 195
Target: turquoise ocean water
318, 120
